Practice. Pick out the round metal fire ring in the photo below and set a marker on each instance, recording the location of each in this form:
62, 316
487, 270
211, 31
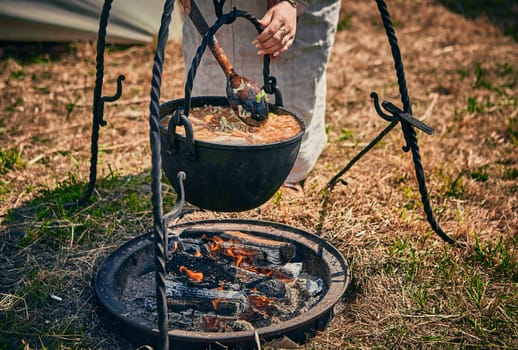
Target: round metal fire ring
136, 258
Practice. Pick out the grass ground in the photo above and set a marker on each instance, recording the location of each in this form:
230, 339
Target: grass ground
409, 289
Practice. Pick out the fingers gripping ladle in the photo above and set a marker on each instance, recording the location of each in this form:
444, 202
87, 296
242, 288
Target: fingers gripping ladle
245, 97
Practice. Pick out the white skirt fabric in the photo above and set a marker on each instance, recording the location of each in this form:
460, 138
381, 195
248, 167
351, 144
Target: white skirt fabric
300, 72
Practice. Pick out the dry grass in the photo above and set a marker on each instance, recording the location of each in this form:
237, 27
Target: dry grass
409, 289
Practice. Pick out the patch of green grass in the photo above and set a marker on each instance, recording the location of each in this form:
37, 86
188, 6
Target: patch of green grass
475, 289
446, 266
346, 134
134, 203
505, 71
58, 221
112, 180
420, 297
17, 75
69, 108
463, 73
10, 159
480, 174
510, 173
37, 289
12, 106
512, 130
52, 231
455, 188
345, 23
500, 79
54, 214
474, 105
5, 188
67, 191
480, 75
404, 258
497, 257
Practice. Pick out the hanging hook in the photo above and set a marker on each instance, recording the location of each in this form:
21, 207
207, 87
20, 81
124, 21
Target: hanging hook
397, 114
377, 107
104, 99
175, 213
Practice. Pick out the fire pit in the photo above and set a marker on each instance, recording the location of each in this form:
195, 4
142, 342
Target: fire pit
234, 279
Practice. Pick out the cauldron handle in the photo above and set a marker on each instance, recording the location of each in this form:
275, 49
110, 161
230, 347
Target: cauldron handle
179, 118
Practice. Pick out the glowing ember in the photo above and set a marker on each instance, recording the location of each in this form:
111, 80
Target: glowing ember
192, 275
215, 303
260, 301
229, 248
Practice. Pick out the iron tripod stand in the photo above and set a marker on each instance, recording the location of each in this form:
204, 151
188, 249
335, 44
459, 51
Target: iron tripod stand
395, 116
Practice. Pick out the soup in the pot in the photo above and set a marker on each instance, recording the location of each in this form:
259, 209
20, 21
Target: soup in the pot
218, 124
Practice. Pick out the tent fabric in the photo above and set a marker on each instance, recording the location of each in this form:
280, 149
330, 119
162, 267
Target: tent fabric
131, 21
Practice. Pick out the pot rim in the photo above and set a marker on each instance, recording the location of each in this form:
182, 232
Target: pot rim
222, 101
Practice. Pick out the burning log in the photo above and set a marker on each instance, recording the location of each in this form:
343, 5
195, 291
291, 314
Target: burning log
241, 246
264, 249
202, 272
273, 251
223, 302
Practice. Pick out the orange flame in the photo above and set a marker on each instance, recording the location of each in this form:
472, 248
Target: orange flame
197, 253
239, 259
260, 301
239, 255
214, 244
215, 303
278, 275
192, 275
217, 239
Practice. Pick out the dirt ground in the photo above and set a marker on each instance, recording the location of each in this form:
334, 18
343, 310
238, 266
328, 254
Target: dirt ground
409, 289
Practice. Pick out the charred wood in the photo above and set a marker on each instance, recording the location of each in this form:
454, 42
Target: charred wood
223, 302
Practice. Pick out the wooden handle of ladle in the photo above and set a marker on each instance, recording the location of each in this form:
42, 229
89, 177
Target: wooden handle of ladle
202, 27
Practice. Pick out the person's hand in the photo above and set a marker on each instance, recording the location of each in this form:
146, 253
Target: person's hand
280, 26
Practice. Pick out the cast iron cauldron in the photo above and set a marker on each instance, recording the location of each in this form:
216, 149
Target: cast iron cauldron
225, 177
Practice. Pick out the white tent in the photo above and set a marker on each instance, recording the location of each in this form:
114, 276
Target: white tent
131, 21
